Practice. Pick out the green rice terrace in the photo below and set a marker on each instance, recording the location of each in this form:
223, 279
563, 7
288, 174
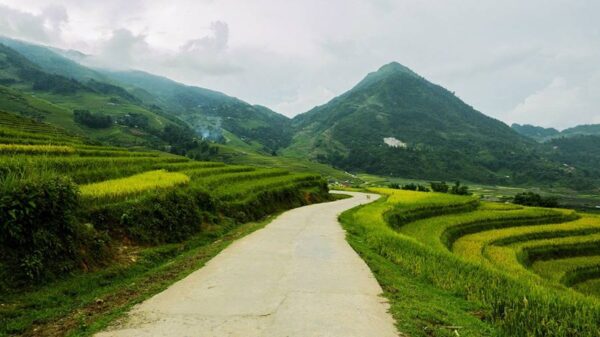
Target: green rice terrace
481, 268
82, 221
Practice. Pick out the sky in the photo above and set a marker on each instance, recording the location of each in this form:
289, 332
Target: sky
535, 61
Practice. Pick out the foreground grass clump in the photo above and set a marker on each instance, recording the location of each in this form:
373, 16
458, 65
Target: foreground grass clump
513, 306
139, 183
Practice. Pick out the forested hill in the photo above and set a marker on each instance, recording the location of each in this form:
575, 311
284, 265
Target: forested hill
542, 134
397, 123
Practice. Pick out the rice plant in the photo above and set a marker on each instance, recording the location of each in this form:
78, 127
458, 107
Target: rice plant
133, 185
36, 149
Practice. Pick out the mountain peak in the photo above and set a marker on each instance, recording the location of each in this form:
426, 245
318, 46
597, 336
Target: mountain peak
385, 72
394, 67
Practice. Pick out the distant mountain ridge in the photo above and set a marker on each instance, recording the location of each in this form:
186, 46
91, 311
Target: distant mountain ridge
542, 134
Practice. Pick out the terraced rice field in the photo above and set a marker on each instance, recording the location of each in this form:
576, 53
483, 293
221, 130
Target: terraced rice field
535, 271
107, 173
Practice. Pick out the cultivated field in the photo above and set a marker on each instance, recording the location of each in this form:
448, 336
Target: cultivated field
529, 271
74, 212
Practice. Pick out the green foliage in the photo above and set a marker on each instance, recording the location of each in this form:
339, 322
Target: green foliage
170, 216
95, 121
534, 199
134, 120
440, 187
39, 236
459, 189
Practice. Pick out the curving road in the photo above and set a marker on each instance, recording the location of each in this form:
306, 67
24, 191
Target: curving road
296, 277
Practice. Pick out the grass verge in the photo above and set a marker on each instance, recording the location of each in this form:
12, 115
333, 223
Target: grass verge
86, 303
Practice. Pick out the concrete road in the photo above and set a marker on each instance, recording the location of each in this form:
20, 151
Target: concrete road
296, 277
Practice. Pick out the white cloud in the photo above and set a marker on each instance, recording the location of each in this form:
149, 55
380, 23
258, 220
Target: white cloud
43, 27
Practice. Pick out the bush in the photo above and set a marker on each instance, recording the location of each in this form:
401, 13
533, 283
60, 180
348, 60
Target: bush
534, 199
459, 189
440, 187
39, 237
171, 216
410, 187
159, 217
95, 121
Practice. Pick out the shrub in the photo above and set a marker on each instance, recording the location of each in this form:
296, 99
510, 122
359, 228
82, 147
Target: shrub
440, 187
95, 121
459, 189
410, 187
39, 237
534, 199
170, 216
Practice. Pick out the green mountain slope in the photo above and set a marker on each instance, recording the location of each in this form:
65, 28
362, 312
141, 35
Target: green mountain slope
208, 112
396, 123
28, 90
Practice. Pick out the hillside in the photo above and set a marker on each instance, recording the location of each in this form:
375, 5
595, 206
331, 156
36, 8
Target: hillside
208, 112
396, 123
101, 111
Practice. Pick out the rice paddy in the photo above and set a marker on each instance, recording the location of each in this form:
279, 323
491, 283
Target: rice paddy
133, 185
533, 271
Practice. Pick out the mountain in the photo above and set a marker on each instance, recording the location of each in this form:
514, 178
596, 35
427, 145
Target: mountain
396, 123
99, 110
213, 115
210, 112
538, 133
541, 134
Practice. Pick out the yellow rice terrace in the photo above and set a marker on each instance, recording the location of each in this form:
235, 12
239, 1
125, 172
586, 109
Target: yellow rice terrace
136, 184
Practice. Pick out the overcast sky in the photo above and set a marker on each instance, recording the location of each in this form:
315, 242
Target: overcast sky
535, 61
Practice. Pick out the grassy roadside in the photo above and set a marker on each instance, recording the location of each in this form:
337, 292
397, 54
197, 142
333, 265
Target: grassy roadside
84, 304
419, 308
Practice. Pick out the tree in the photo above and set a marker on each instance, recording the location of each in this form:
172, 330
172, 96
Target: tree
459, 189
95, 121
440, 187
534, 199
